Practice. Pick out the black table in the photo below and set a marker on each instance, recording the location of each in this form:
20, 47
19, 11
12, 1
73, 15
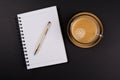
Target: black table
101, 62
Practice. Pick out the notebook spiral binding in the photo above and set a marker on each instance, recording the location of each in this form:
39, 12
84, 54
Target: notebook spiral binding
23, 41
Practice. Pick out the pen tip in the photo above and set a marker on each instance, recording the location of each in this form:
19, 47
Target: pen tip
49, 22
35, 52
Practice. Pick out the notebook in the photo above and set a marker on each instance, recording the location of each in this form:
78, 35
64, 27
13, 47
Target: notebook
40, 52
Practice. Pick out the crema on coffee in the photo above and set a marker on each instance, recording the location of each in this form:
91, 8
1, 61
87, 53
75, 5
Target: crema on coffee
84, 29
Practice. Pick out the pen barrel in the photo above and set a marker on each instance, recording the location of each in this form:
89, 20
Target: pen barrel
43, 35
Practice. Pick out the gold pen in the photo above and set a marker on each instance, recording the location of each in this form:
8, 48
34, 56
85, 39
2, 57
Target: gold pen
43, 36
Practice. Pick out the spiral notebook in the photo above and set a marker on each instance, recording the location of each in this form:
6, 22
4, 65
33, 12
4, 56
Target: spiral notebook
45, 51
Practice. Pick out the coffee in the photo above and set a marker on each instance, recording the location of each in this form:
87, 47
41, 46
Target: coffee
84, 29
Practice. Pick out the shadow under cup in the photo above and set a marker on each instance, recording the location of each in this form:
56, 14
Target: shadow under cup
85, 30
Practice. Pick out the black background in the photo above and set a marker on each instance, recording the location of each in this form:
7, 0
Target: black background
101, 62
